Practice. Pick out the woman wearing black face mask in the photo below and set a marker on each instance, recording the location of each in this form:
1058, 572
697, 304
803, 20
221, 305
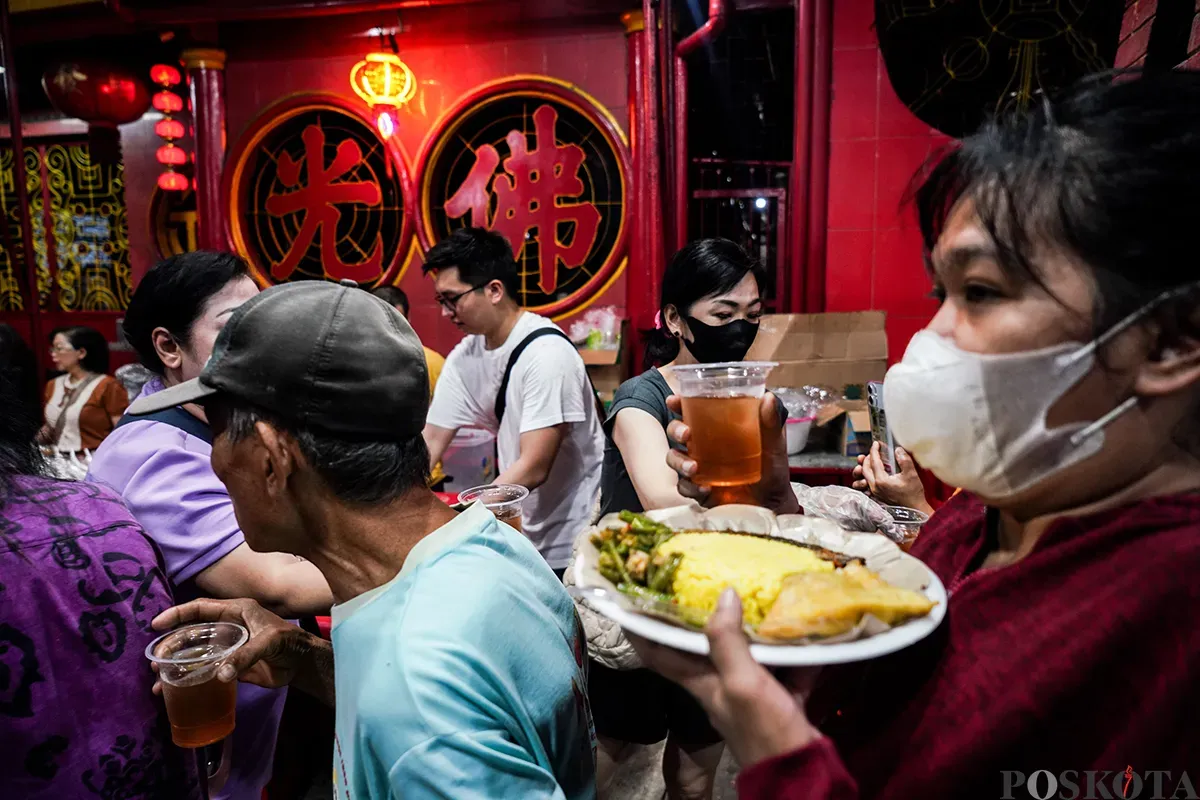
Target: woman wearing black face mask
709, 311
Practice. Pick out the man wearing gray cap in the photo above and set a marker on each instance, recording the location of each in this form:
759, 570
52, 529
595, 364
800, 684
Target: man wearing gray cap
460, 660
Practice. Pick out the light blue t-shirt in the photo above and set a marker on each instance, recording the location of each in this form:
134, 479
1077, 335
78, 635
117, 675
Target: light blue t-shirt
464, 676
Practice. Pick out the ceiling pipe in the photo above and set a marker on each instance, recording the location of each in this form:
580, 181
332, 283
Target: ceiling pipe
717, 14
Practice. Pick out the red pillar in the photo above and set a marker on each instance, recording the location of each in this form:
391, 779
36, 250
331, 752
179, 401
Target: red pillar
635, 199
32, 298
818, 161
206, 75
645, 268
798, 192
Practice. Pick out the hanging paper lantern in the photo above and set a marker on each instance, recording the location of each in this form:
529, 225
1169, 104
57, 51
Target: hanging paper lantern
168, 102
171, 181
165, 75
98, 94
386, 83
171, 155
169, 128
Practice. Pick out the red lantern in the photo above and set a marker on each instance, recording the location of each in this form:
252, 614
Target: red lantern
171, 155
165, 75
169, 128
168, 102
98, 94
173, 182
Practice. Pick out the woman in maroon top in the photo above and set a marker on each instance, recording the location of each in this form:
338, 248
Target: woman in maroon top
1059, 385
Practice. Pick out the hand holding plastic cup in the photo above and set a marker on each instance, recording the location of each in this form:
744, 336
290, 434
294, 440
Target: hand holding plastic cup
200, 708
720, 406
502, 499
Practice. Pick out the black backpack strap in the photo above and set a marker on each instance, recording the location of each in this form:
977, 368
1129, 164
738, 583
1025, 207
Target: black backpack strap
501, 396
175, 417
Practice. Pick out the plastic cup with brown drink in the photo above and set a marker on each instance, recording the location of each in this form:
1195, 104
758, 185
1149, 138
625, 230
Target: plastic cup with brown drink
200, 708
720, 406
909, 521
502, 499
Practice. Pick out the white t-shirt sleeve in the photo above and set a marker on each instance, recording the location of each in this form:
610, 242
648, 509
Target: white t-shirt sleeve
453, 405
553, 384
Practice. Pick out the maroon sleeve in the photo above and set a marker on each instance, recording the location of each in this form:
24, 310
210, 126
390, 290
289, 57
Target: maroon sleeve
815, 772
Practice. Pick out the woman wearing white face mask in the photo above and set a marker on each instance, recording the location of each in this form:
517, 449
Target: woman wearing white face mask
1059, 385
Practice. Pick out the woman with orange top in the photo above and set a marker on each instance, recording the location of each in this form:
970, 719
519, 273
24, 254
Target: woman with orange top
84, 404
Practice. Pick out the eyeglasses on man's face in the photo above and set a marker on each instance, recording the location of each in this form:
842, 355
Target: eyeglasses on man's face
450, 301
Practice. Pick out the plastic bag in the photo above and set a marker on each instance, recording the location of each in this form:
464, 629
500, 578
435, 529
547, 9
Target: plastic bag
68, 466
597, 329
849, 508
133, 377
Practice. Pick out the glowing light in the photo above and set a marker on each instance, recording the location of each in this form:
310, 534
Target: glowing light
387, 126
171, 181
169, 128
167, 102
165, 75
382, 79
760, 203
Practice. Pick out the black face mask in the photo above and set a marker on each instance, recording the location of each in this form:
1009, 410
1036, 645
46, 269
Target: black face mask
713, 343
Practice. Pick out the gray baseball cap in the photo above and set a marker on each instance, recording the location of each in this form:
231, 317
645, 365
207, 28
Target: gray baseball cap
322, 355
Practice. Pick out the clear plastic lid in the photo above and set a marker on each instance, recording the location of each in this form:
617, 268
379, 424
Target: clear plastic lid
725, 379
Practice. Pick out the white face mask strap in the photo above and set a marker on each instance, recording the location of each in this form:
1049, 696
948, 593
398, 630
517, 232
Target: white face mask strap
1081, 436
1125, 324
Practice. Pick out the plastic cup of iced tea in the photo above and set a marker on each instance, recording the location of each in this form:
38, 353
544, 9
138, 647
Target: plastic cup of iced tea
720, 405
909, 521
200, 708
502, 499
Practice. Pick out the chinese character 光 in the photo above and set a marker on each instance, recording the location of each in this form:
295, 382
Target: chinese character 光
527, 193
319, 201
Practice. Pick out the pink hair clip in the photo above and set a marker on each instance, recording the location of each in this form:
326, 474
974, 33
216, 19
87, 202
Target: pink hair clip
658, 323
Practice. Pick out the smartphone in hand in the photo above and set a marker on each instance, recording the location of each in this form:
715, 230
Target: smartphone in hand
879, 427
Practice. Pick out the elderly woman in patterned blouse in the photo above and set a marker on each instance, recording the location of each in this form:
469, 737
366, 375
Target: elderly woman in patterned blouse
79, 584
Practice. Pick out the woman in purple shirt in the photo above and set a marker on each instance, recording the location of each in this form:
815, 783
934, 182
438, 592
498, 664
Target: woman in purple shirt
160, 466
79, 585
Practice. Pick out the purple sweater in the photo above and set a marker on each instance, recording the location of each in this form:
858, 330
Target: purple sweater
79, 584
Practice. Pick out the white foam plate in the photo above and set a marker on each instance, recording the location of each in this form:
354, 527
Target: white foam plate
881, 555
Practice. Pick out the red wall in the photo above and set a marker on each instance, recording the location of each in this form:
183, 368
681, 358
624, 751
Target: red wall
1135, 35
874, 249
593, 58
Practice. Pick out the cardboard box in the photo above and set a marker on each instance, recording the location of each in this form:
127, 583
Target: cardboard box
834, 350
844, 427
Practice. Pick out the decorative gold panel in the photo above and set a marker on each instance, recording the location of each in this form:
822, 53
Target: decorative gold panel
90, 230
12, 253
85, 253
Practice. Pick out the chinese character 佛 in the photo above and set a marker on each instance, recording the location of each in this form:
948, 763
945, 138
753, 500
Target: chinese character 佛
528, 192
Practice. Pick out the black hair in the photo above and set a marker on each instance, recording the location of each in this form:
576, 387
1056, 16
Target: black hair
20, 397
357, 472
393, 296
480, 256
172, 295
1106, 172
92, 341
703, 268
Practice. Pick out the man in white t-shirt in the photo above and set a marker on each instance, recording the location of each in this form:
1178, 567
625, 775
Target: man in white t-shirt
549, 438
